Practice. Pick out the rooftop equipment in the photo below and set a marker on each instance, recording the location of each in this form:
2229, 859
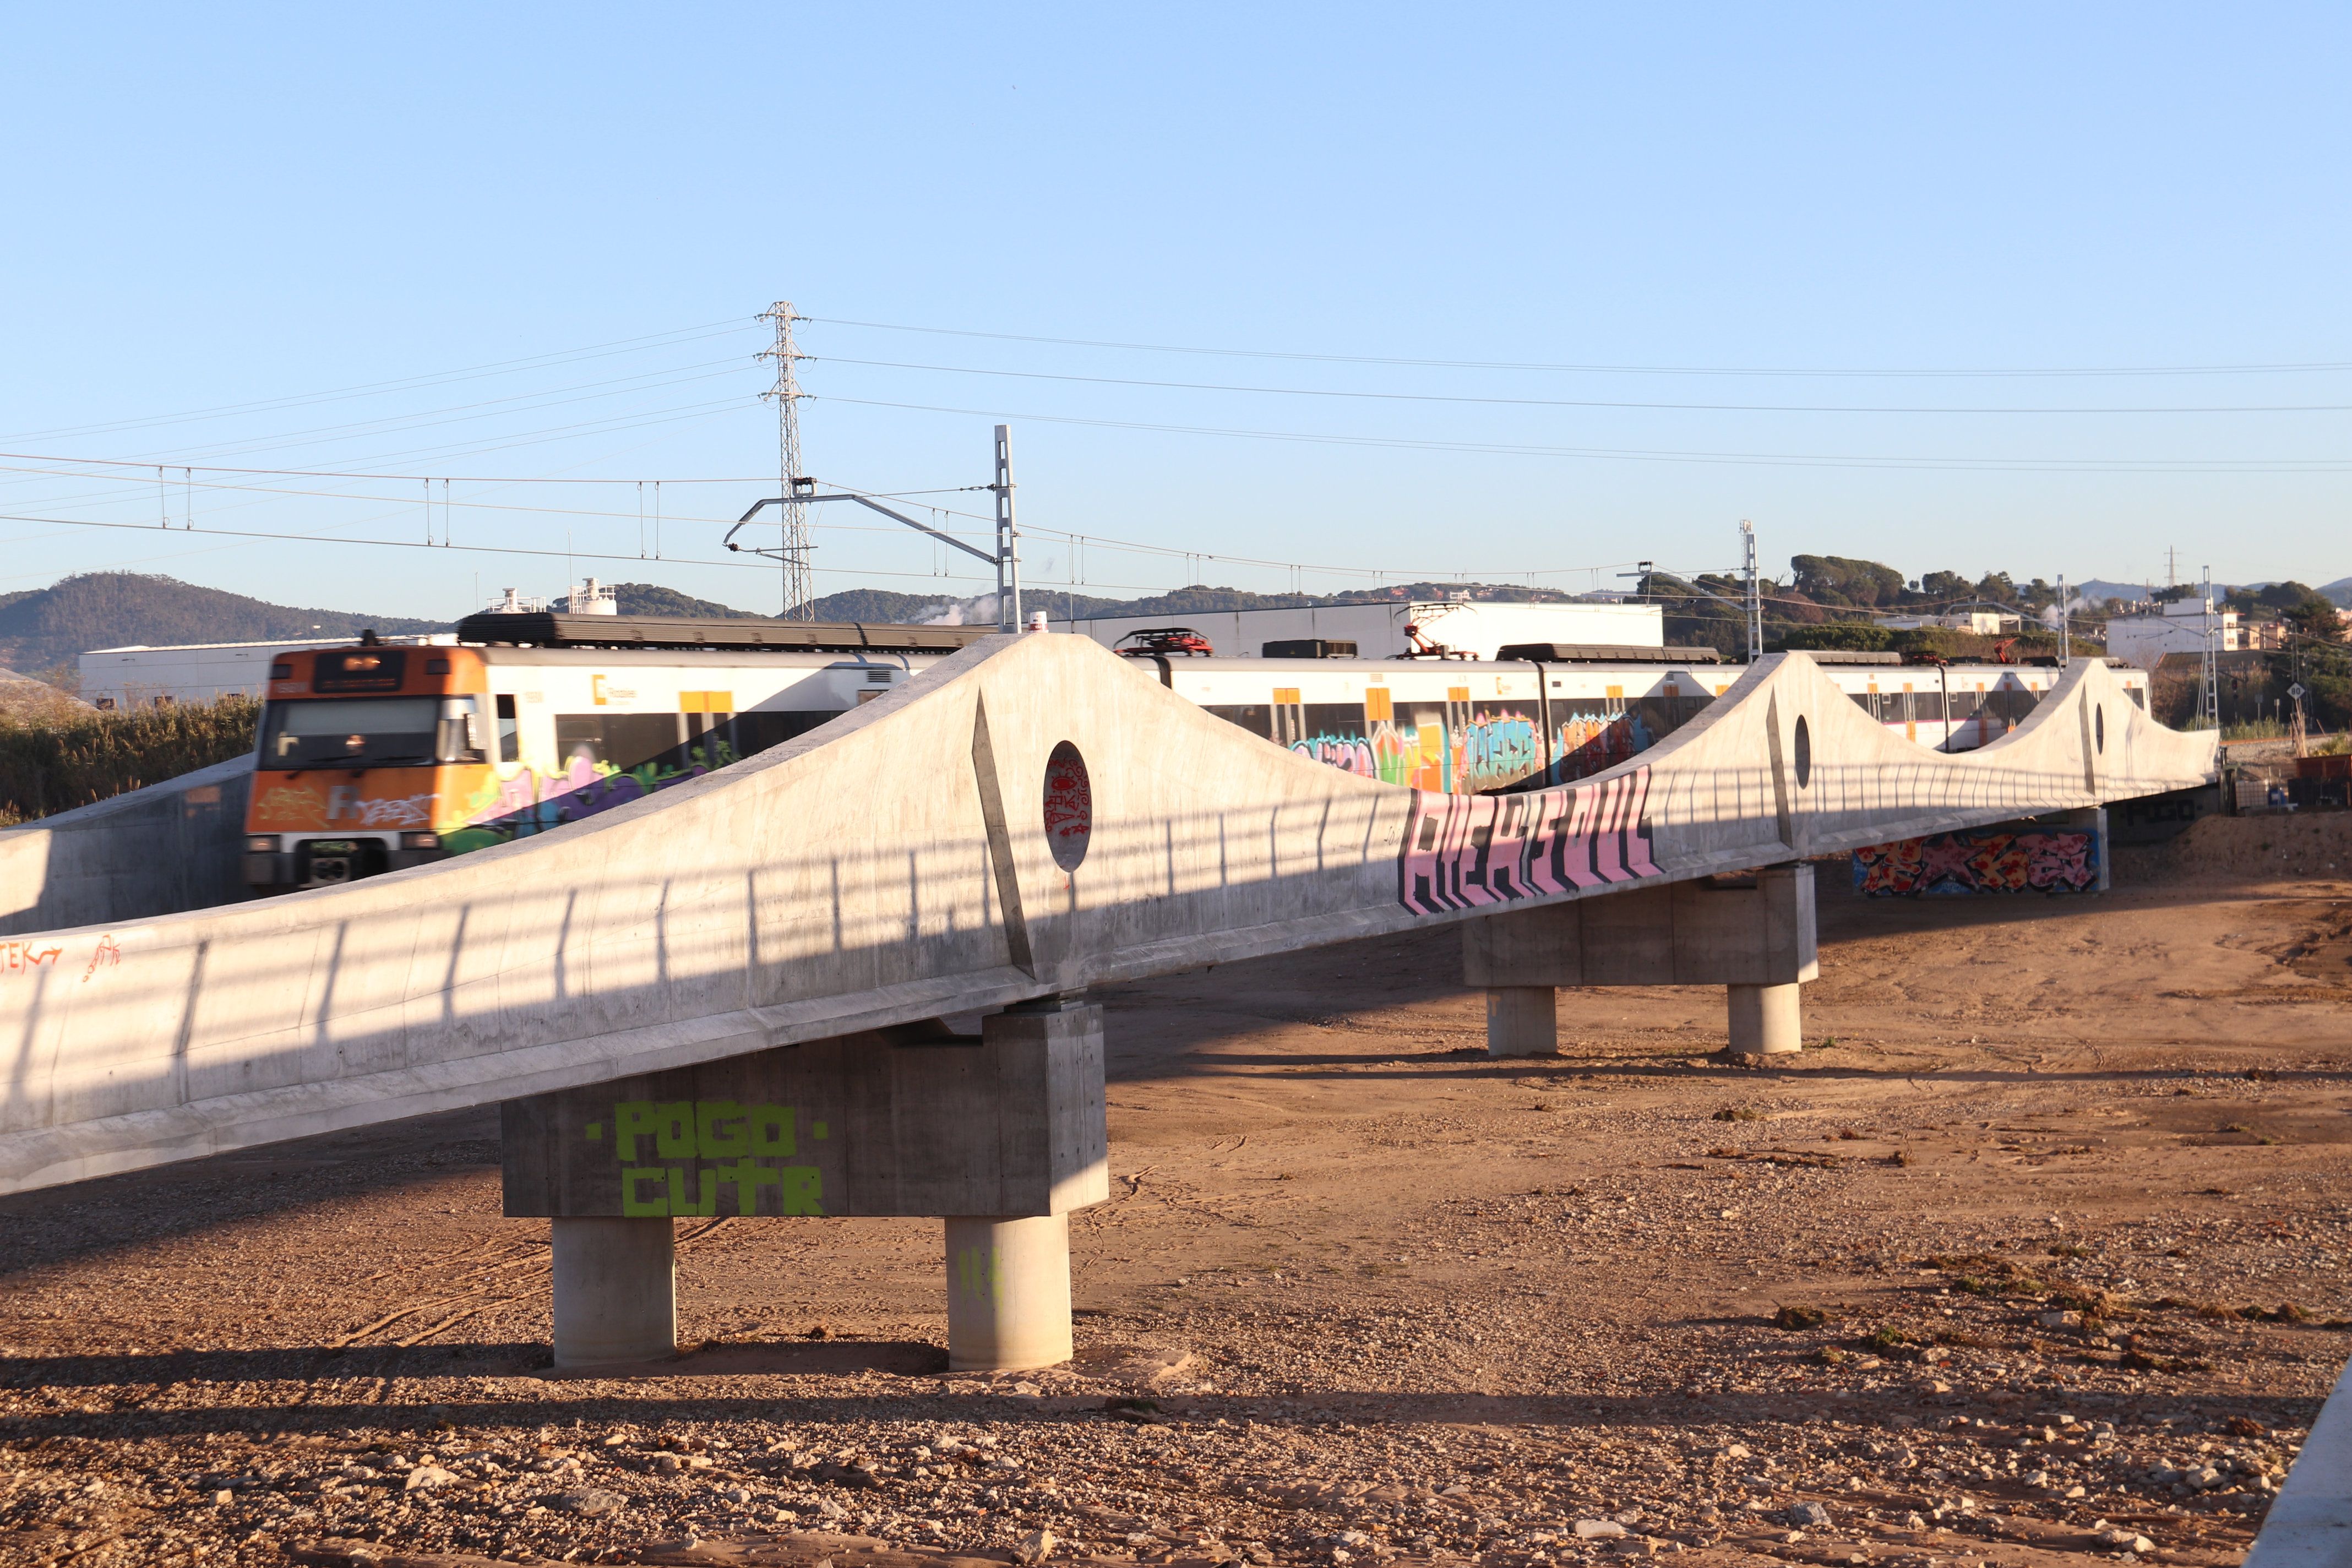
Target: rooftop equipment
558, 630
1602, 653
1309, 648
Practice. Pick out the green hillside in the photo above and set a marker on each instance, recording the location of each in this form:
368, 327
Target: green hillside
43, 628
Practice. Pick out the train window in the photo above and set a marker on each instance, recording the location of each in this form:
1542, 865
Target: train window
458, 738
352, 732
1256, 719
509, 730
623, 741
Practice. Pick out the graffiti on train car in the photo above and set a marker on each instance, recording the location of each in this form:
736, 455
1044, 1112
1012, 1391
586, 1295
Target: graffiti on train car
1954, 864
1464, 851
531, 802
1348, 753
1588, 743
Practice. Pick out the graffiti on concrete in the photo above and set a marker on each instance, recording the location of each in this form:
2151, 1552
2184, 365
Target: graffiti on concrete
2040, 860
736, 1145
1464, 851
16, 957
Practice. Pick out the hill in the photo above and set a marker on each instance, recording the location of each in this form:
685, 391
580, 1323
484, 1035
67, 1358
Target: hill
44, 628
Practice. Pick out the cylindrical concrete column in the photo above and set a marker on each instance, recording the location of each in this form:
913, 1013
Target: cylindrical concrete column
1008, 1292
1522, 1020
1765, 1020
616, 1292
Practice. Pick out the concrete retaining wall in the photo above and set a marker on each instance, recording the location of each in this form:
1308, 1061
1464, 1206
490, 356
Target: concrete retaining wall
161, 850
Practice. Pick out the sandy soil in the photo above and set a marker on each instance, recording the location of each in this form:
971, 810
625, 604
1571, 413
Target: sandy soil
2037, 1253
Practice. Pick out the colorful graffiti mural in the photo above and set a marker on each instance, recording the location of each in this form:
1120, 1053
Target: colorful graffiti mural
2040, 861
531, 802
1464, 851
1589, 743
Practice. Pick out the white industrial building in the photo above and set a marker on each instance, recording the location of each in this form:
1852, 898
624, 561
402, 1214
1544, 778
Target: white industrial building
1475, 627
139, 677
2144, 640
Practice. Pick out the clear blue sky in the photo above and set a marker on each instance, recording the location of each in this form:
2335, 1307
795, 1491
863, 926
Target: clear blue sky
208, 209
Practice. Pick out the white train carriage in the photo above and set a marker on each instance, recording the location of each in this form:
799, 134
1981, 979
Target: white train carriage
1466, 728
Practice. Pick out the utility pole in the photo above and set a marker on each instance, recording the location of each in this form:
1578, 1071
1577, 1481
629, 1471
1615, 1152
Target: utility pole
799, 592
2065, 625
2209, 678
2171, 567
1754, 593
1008, 537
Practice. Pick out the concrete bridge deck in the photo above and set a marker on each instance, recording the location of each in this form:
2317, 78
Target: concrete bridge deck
896, 865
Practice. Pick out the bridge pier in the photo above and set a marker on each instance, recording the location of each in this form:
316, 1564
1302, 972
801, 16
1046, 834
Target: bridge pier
1522, 1020
1752, 934
616, 1292
1008, 1292
1002, 1133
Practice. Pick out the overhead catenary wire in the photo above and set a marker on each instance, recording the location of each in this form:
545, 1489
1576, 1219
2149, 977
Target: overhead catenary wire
1767, 459
1359, 393
1859, 372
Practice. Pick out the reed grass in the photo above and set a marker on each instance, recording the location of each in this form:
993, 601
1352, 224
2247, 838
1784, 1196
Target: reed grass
47, 768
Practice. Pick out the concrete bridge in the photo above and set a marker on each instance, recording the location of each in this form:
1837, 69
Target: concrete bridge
725, 998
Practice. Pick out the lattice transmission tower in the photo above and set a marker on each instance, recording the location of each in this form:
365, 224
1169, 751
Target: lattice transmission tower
799, 591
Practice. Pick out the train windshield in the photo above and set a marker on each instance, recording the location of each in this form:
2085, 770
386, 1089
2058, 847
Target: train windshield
352, 732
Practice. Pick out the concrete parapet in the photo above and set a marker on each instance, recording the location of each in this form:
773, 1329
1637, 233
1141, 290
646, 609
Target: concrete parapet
161, 850
616, 1292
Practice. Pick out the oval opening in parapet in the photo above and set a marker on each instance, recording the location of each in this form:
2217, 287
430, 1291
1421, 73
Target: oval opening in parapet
1069, 806
1804, 750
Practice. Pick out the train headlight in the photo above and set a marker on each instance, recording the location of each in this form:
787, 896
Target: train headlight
262, 844
420, 841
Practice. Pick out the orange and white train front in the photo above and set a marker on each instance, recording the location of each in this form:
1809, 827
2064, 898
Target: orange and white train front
367, 756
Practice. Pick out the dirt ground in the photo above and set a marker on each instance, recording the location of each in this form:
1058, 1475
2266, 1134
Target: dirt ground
2038, 1252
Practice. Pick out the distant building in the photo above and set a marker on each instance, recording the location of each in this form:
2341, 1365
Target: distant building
140, 677
1984, 623
2144, 640
1475, 627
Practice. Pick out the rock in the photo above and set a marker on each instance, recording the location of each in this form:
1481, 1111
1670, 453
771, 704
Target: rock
2126, 1541
668, 1464
1035, 1546
222, 1497
425, 1476
1807, 1515
2061, 1320
1599, 1530
590, 1501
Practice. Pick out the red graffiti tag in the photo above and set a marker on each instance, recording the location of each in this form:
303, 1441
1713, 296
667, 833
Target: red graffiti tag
16, 957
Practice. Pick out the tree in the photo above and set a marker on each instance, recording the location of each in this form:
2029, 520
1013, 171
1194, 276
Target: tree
1836, 580
1948, 588
1995, 587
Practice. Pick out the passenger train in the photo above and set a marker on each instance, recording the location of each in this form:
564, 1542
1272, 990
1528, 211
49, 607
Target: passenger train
376, 758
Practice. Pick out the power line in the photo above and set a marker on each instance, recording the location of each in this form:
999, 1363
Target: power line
1760, 460
405, 384
1601, 369
1587, 401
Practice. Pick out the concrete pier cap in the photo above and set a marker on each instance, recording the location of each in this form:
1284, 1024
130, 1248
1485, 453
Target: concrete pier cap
1752, 933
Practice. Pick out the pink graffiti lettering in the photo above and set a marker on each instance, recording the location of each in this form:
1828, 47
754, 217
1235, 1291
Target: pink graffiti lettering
1466, 851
